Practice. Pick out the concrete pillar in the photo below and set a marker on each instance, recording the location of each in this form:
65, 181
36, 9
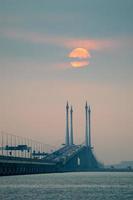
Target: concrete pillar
71, 124
89, 116
67, 125
86, 125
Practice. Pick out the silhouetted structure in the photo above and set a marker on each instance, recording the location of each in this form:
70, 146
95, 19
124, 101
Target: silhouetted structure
24, 156
71, 124
67, 124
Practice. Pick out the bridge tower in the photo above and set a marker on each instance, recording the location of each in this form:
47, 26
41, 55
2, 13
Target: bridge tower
71, 124
67, 125
81, 157
86, 125
89, 118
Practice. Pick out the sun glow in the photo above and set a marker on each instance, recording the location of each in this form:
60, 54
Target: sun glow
80, 56
79, 53
79, 64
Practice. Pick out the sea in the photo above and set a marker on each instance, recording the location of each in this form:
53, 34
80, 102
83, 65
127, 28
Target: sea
68, 186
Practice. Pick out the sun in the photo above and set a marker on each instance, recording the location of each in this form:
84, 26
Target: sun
81, 56
78, 64
80, 53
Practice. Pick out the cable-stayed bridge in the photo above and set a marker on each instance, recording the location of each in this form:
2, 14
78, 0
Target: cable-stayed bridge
24, 156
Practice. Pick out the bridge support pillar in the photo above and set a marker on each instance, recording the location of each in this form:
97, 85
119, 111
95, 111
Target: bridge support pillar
82, 161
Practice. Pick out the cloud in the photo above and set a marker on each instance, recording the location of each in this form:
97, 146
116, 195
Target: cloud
32, 37
89, 44
38, 38
65, 42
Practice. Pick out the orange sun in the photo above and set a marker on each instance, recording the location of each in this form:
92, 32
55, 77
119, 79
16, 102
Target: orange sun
79, 53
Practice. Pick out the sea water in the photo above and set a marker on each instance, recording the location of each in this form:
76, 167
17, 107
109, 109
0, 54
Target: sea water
68, 186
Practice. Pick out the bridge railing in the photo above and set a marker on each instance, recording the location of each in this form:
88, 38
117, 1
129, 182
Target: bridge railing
16, 146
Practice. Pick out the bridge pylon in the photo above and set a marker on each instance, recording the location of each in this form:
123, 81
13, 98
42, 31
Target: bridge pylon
67, 142
71, 126
79, 157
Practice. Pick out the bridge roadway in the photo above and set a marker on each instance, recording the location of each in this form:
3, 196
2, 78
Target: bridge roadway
63, 154
10, 165
67, 158
16, 166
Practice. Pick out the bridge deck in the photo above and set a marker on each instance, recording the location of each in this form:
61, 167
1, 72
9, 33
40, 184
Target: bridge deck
63, 159
63, 153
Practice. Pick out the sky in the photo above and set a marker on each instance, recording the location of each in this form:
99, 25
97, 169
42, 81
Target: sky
37, 79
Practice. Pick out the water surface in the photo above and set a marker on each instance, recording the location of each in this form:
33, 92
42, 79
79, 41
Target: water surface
68, 186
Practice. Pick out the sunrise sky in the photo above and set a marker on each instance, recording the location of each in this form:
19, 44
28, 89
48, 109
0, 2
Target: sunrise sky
36, 77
